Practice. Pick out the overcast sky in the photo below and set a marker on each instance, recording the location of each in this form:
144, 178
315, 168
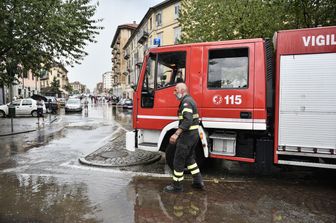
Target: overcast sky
114, 13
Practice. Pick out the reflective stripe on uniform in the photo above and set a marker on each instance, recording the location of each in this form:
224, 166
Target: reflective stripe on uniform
195, 171
178, 174
194, 116
187, 110
193, 168
193, 127
178, 178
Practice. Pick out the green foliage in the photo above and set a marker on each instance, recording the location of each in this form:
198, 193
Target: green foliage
55, 85
36, 33
68, 88
311, 13
214, 20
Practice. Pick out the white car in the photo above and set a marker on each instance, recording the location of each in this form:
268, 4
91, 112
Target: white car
25, 106
73, 105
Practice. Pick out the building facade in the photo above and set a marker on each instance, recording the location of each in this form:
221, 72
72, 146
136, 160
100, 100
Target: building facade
26, 86
119, 64
160, 22
78, 87
59, 73
107, 81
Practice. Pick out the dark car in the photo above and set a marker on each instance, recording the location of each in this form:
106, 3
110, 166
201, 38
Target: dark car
51, 104
121, 102
128, 104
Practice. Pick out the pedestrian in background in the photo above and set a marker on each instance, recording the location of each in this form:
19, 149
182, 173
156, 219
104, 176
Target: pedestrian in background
40, 105
86, 106
186, 139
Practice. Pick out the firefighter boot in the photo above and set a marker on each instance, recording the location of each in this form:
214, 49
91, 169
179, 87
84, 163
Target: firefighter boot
175, 187
198, 181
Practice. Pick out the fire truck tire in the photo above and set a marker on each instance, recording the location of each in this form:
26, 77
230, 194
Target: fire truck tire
170, 154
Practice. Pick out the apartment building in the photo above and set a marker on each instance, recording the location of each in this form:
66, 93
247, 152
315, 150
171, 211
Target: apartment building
78, 87
59, 72
107, 81
27, 85
161, 22
119, 66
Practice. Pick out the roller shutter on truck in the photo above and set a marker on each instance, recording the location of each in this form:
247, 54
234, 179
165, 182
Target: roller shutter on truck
305, 96
307, 102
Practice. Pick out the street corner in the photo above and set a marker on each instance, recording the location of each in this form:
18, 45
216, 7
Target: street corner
115, 155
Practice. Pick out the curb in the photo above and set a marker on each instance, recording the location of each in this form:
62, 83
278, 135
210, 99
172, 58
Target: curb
27, 131
16, 133
82, 160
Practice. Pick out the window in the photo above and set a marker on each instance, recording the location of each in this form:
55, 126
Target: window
176, 11
16, 103
148, 84
177, 35
162, 70
228, 68
150, 23
158, 19
171, 69
147, 91
27, 103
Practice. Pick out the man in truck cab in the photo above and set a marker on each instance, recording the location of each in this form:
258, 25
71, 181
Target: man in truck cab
186, 138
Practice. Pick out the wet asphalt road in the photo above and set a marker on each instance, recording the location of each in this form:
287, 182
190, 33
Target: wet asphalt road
42, 181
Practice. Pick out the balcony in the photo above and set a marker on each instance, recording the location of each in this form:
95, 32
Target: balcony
127, 55
143, 37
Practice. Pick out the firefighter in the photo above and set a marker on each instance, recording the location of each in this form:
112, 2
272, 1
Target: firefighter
186, 138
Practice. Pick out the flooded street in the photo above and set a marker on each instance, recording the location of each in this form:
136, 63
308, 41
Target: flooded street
41, 180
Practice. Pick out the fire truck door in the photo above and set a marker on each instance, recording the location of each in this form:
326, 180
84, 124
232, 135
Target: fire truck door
157, 105
228, 86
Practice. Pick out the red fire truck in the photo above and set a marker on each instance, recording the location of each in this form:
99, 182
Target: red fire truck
259, 102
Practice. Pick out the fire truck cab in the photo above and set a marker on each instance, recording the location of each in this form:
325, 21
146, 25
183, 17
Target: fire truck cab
254, 105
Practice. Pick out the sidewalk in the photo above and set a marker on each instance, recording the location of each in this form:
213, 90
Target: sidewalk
20, 125
112, 154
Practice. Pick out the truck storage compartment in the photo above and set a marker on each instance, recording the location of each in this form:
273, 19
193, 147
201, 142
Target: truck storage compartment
307, 105
224, 143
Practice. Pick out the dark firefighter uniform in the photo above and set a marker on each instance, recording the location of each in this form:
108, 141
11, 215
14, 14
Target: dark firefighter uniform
186, 144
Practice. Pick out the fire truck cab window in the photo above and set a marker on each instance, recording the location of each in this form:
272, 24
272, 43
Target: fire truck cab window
147, 91
228, 68
171, 69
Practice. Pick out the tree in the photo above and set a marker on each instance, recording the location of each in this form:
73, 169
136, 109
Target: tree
35, 34
68, 88
311, 13
214, 20
55, 85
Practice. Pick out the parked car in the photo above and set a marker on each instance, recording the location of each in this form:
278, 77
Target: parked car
26, 106
120, 104
128, 104
51, 104
73, 105
113, 100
